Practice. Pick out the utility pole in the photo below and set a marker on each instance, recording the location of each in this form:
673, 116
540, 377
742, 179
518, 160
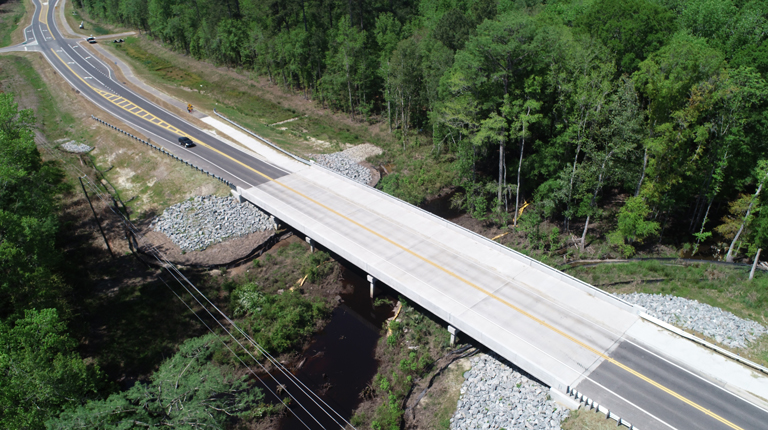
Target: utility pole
96, 217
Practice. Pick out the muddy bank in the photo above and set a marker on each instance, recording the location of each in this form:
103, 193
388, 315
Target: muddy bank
220, 254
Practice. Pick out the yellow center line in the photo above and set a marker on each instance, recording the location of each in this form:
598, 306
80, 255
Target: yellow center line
44, 16
437, 266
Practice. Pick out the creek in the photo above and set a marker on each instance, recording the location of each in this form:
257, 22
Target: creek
340, 360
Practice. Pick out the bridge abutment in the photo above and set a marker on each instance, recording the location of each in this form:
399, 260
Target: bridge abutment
238, 194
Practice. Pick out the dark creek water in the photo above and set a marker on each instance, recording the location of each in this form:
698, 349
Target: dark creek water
339, 363
441, 206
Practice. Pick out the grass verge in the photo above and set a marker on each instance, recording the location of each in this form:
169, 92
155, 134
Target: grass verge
75, 16
11, 14
582, 419
239, 97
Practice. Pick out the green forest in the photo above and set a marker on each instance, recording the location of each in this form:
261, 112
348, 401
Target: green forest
42, 312
558, 103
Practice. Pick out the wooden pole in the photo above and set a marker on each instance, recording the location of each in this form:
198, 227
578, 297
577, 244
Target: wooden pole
96, 218
754, 265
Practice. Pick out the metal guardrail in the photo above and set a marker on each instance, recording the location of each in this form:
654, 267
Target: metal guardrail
295, 157
219, 178
591, 404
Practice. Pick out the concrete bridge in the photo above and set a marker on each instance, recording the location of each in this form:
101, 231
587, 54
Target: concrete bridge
572, 336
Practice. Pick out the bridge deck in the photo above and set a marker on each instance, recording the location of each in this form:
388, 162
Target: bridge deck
537, 320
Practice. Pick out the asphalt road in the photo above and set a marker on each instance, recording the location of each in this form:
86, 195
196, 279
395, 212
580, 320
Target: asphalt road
639, 402
96, 81
655, 394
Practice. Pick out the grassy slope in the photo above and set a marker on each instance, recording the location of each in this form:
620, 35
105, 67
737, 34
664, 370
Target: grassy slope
74, 17
236, 96
11, 14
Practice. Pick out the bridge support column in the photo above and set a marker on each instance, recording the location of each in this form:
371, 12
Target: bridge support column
454, 332
372, 281
311, 243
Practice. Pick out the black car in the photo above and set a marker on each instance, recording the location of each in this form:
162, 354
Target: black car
186, 142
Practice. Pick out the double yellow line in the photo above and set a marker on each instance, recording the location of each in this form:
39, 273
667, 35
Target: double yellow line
44, 19
113, 99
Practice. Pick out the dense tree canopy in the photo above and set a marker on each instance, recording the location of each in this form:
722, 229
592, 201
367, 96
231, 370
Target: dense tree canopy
187, 391
40, 373
664, 100
28, 218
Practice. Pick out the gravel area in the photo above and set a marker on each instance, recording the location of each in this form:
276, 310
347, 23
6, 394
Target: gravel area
197, 223
361, 152
79, 148
346, 162
495, 396
725, 327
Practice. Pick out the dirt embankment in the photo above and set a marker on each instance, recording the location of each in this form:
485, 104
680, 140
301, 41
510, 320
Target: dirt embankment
221, 254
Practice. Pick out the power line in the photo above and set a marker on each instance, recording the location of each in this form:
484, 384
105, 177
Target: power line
170, 268
299, 384
269, 357
230, 349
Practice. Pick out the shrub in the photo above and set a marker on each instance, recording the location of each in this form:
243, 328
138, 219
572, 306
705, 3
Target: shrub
278, 322
632, 226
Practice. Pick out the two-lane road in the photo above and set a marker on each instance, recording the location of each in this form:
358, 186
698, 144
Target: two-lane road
96, 81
